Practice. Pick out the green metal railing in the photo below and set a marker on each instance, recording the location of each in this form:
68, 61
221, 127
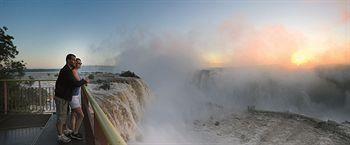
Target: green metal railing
104, 131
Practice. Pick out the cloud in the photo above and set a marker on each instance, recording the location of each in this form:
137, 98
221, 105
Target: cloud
249, 45
345, 16
235, 42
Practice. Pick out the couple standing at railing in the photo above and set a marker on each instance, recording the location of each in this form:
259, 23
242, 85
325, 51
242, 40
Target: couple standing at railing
67, 94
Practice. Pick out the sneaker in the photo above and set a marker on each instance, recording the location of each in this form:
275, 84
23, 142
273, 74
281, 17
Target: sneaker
64, 139
76, 136
68, 132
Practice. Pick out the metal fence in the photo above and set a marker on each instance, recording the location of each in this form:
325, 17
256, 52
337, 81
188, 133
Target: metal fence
27, 96
37, 96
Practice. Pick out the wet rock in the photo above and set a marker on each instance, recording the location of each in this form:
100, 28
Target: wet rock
129, 74
105, 86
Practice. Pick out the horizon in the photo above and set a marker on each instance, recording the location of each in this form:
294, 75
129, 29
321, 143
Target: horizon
209, 67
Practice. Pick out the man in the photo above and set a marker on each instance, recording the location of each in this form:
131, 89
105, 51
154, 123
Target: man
65, 85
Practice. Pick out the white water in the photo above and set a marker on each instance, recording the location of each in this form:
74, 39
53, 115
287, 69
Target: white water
168, 63
271, 88
191, 119
124, 104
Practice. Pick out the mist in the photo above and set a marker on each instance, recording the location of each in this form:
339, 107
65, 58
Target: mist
166, 63
251, 67
272, 88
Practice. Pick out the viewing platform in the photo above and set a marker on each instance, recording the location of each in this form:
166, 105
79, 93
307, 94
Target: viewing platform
28, 116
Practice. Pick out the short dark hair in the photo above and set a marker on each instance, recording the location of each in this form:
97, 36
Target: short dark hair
69, 56
77, 59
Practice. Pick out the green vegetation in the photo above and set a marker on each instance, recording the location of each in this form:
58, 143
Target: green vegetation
9, 67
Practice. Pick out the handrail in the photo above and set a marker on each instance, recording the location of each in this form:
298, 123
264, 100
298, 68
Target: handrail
16, 103
112, 135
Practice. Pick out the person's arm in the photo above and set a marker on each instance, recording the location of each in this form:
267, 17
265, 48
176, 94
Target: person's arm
76, 74
73, 81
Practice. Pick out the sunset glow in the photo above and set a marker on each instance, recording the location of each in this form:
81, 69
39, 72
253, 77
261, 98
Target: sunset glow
214, 59
218, 34
301, 57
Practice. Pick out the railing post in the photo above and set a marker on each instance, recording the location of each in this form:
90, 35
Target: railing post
5, 97
40, 103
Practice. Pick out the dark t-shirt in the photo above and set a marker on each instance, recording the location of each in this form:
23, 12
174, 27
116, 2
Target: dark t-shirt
66, 83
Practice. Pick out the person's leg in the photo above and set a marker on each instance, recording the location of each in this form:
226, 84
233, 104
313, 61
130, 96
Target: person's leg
66, 126
61, 110
73, 119
80, 117
60, 115
59, 126
67, 129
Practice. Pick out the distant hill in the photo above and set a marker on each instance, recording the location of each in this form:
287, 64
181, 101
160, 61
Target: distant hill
42, 70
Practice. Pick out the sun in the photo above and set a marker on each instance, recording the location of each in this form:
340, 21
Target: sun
301, 57
214, 59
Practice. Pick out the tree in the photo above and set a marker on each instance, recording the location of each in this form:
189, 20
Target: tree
9, 67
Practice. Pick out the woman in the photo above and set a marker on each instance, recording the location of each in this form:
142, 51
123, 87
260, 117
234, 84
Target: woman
77, 114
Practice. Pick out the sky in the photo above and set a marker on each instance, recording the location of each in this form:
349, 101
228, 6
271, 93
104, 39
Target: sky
46, 31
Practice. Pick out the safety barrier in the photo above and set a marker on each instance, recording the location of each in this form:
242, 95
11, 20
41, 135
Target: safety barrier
96, 121
27, 96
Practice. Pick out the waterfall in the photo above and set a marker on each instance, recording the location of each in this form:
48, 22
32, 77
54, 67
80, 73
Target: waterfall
270, 88
124, 103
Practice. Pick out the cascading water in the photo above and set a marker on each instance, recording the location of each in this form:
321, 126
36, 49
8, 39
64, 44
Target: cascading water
124, 103
211, 107
301, 91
